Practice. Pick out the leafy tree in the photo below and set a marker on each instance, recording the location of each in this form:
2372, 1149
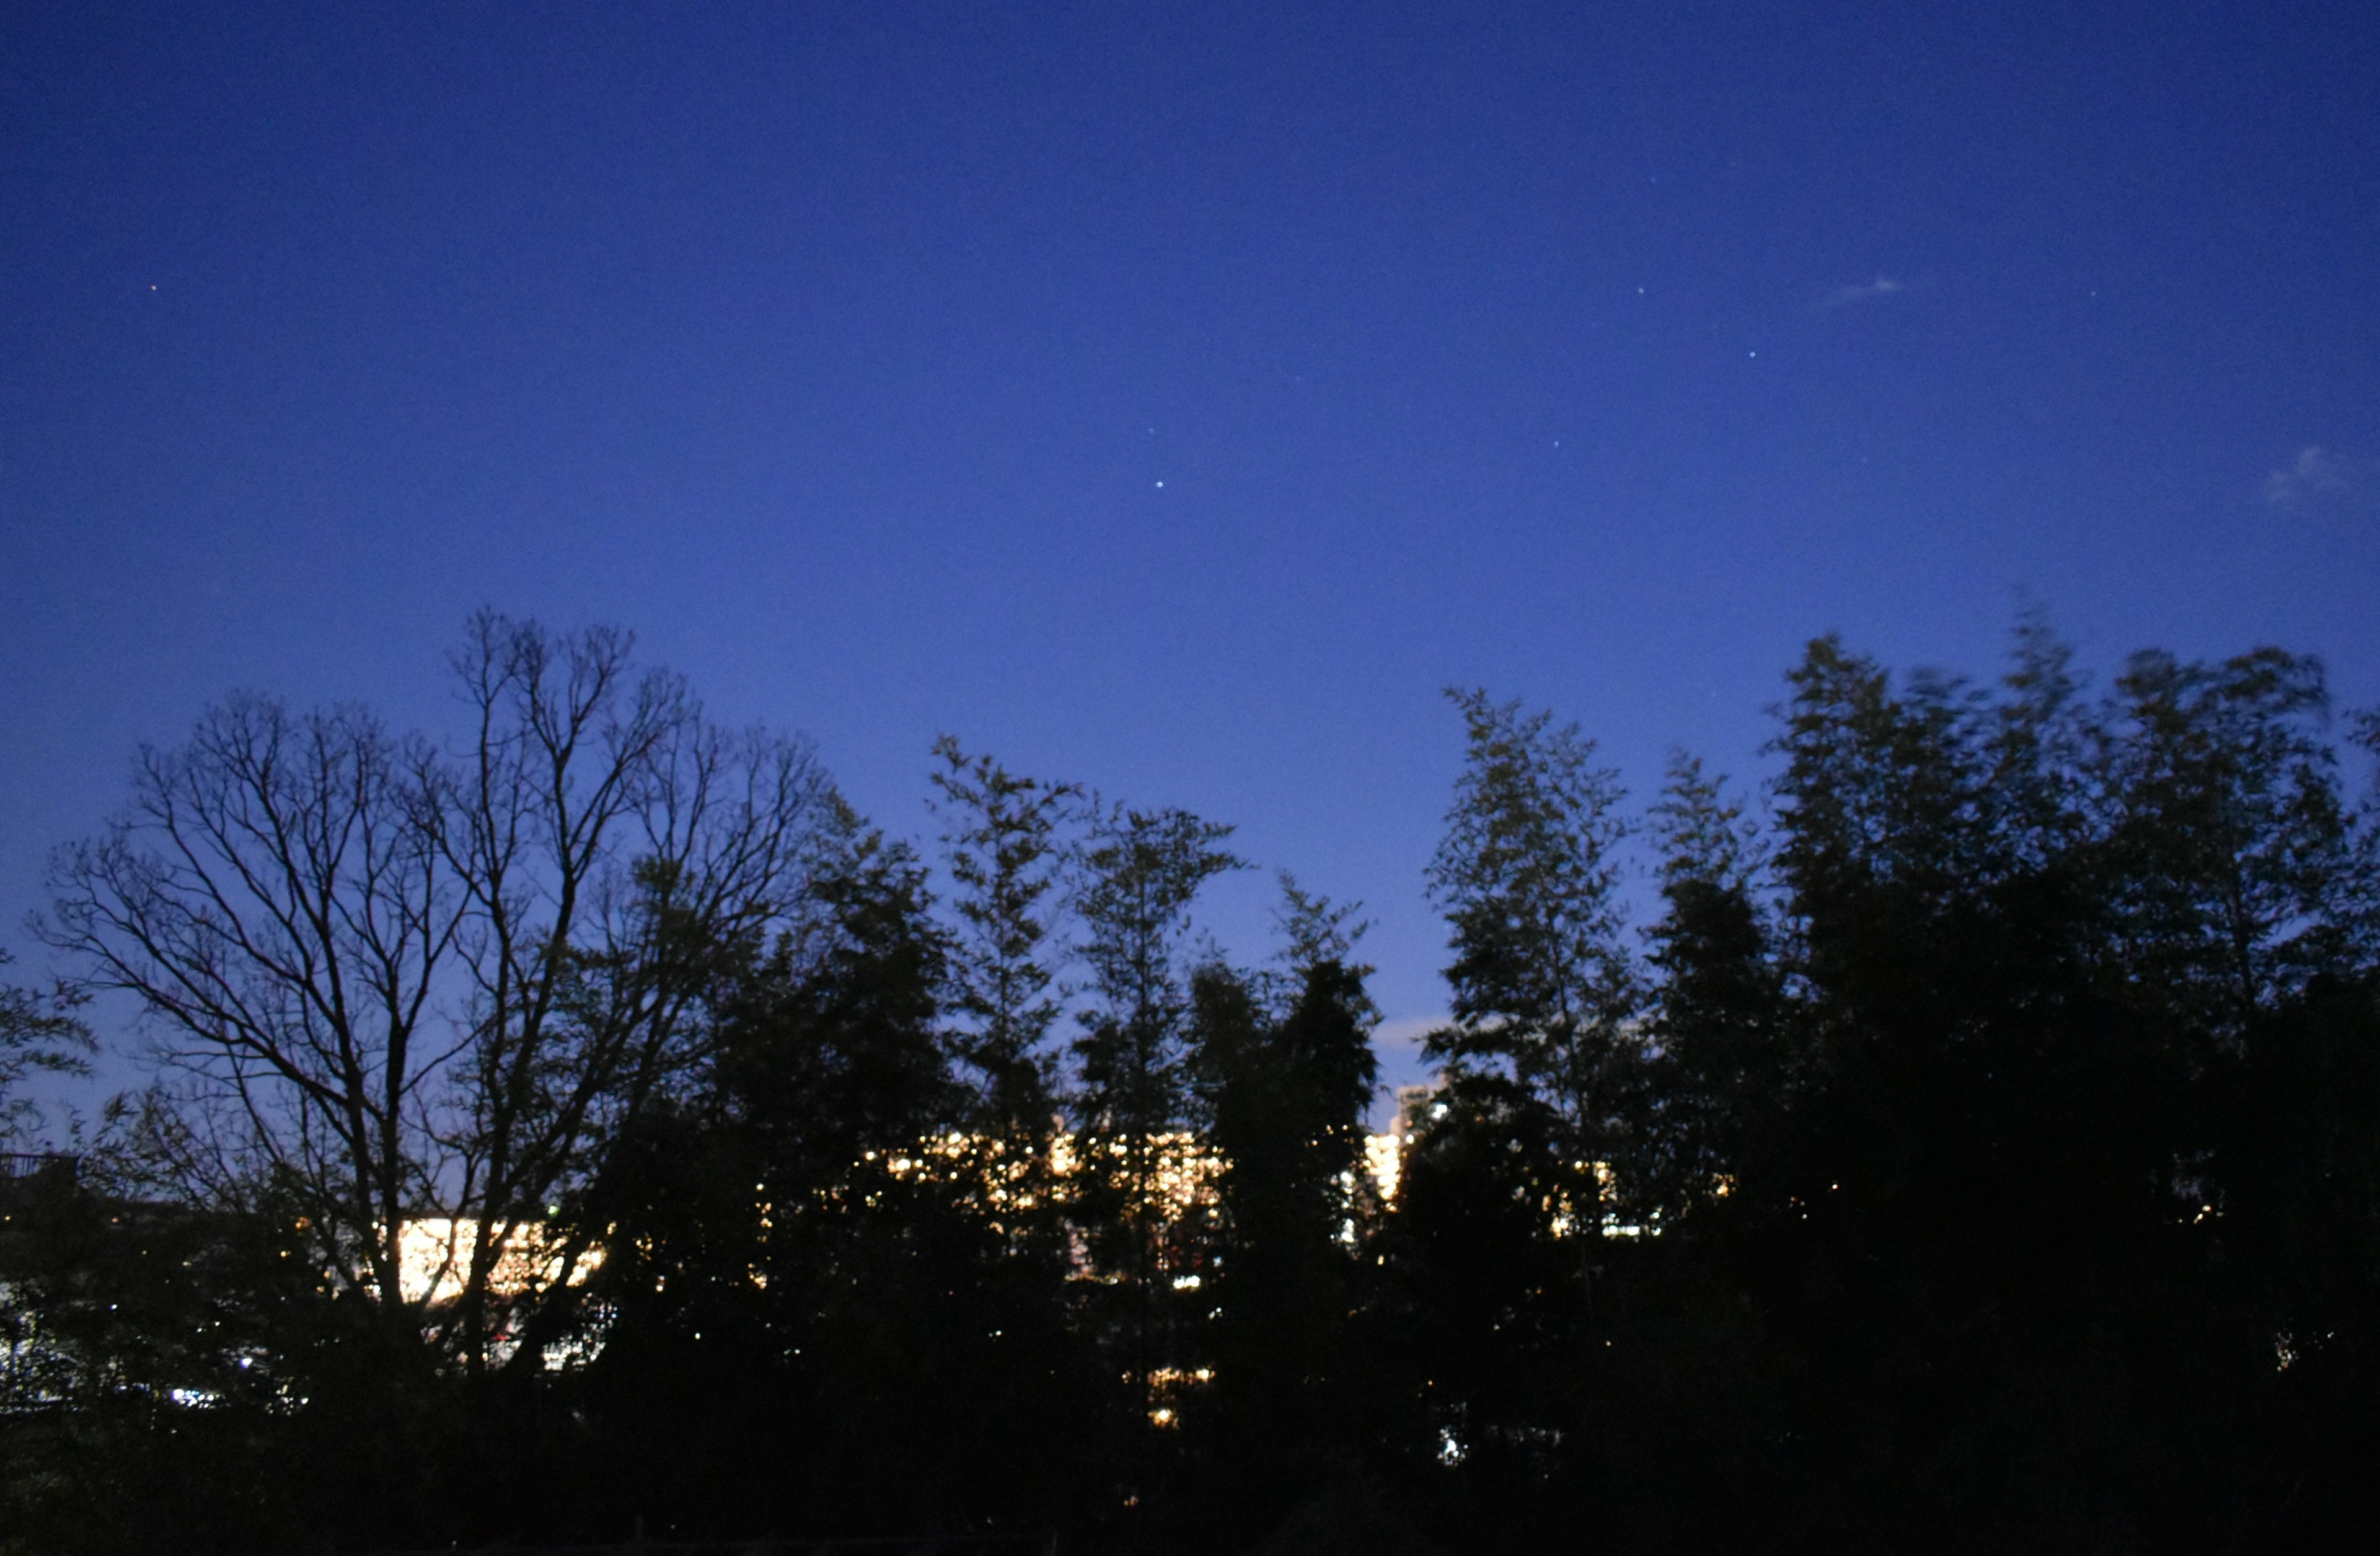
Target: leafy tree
1545, 993
38, 1036
1284, 1084
1004, 850
1133, 1199
808, 1268
1719, 1052
2229, 835
2030, 939
1541, 1059
1509, 1186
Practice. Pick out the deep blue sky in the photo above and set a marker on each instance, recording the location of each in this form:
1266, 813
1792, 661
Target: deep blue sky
1173, 397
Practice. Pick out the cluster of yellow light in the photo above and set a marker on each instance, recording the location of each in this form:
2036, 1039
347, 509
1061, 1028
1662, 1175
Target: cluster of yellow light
1165, 1387
1564, 1216
1183, 1169
434, 1252
434, 1258
1384, 1159
1007, 1178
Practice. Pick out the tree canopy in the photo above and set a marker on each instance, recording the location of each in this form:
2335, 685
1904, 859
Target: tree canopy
589, 1127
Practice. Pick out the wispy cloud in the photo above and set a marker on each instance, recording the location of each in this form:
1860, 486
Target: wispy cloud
1406, 1032
1843, 297
2318, 479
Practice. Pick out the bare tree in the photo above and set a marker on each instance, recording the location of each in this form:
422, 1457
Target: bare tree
426, 985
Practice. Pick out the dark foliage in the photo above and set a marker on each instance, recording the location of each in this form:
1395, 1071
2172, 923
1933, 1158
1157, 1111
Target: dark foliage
1978, 1152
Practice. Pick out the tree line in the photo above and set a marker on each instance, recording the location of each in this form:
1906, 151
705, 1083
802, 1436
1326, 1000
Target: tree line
591, 1128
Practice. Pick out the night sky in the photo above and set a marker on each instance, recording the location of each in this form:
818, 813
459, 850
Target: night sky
1171, 397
